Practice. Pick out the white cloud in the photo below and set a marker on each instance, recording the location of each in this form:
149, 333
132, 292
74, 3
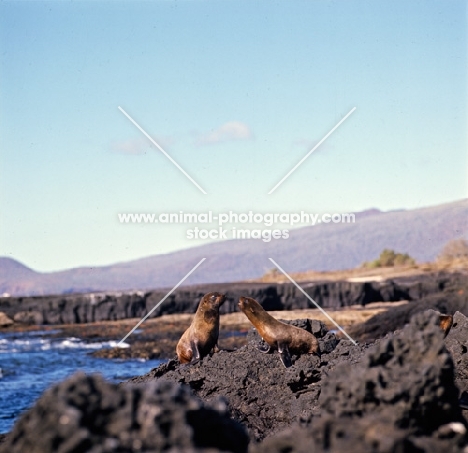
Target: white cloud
133, 147
230, 131
139, 146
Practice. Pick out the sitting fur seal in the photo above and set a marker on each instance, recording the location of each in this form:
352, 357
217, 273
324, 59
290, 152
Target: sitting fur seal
278, 335
202, 335
445, 323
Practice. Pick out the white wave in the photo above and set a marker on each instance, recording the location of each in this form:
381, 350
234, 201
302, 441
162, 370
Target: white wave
77, 343
118, 344
39, 344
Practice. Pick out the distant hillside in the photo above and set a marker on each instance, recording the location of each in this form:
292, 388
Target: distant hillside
12, 269
420, 232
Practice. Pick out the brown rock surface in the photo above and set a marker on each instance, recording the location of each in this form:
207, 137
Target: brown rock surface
5, 320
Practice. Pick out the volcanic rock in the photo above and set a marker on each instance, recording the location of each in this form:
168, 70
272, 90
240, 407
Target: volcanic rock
29, 317
457, 343
5, 320
96, 307
396, 394
88, 414
261, 393
396, 318
400, 398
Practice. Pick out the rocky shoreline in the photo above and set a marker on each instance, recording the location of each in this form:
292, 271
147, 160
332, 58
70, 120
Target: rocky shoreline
398, 393
397, 390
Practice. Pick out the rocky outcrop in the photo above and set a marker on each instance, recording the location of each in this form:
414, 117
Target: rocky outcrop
5, 321
457, 344
407, 376
375, 434
262, 395
397, 394
96, 307
32, 317
76, 309
401, 397
87, 414
379, 325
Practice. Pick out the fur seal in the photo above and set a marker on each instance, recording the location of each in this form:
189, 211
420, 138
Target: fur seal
284, 338
445, 323
202, 335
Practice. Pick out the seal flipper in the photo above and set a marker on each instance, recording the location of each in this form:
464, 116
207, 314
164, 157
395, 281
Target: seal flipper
285, 355
195, 351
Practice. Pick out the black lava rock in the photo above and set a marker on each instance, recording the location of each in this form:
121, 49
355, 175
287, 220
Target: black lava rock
262, 394
399, 397
88, 414
96, 307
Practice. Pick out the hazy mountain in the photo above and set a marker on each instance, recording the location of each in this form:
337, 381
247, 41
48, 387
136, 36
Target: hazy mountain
11, 269
420, 232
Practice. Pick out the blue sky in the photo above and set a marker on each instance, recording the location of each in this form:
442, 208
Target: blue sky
237, 92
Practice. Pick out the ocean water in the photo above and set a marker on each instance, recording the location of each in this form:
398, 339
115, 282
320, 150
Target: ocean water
29, 364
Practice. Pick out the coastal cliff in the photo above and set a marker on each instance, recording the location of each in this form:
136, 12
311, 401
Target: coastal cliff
97, 307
